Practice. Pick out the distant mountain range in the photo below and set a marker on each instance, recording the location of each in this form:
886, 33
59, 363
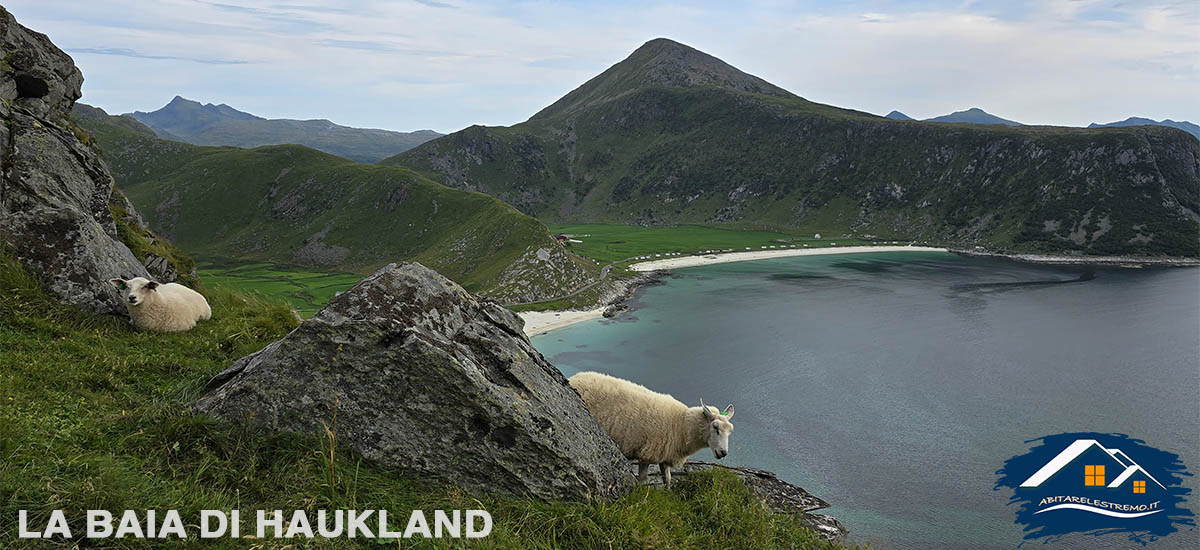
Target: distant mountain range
295, 205
974, 115
1138, 121
207, 124
673, 135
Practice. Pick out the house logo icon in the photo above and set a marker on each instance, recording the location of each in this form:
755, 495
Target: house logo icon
1095, 474
1098, 484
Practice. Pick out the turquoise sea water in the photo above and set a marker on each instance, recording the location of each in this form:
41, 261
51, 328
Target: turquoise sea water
894, 385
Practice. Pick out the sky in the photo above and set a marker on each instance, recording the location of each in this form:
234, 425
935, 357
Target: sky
447, 64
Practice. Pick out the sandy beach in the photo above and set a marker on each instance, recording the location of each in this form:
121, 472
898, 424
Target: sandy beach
541, 322
726, 257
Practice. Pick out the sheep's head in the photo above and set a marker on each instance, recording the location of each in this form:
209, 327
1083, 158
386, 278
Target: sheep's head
136, 290
719, 428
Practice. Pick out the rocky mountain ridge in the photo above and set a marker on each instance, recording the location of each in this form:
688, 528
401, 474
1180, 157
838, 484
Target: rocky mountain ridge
1184, 125
655, 149
207, 124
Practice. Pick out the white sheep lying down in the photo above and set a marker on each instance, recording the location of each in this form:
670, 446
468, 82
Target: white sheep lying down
161, 307
653, 427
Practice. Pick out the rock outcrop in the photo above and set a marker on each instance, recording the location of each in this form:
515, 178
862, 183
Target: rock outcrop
776, 494
54, 189
416, 374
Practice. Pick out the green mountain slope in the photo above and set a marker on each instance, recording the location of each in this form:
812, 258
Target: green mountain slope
208, 124
670, 135
291, 204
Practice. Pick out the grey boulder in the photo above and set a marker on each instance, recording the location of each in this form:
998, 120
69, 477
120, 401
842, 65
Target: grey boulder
425, 379
54, 189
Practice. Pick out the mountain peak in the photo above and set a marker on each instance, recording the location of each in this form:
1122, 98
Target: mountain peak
974, 115
180, 101
661, 62
897, 115
193, 113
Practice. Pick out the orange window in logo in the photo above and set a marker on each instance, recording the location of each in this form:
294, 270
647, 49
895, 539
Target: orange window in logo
1139, 486
1093, 476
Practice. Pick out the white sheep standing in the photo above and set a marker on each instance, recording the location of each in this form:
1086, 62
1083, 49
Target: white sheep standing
653, 427
160, 307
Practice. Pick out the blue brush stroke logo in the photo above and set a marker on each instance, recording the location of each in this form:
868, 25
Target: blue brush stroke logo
1097, 484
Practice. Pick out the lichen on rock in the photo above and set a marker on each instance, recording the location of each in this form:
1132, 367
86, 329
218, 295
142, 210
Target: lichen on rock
55, 190
416, 374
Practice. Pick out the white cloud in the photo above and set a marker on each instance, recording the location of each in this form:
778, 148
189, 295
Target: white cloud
447, 64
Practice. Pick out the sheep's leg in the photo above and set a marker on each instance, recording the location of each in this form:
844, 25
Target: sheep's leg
665, 469
643, 469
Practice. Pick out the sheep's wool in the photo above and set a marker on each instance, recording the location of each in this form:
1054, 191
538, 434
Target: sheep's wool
170, 307
649, 426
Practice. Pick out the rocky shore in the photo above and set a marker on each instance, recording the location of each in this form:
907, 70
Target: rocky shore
1062, 259
774, 493
613, 294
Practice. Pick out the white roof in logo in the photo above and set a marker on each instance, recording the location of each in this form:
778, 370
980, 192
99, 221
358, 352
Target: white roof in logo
1077, 448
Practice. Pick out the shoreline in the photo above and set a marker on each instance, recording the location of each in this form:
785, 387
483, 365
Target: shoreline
538, 323
750, 255
1059, 259
611, 302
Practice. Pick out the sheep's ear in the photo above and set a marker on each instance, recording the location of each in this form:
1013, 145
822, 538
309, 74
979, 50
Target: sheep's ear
728, 413
707, 413
119, 283
151, 285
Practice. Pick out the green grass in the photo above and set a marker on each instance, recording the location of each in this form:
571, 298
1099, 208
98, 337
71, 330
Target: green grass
305, 290
610, 242
94, 415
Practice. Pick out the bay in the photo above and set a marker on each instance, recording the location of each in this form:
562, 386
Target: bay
894, 385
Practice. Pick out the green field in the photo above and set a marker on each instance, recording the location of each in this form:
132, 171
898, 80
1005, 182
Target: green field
610, 242
306, 291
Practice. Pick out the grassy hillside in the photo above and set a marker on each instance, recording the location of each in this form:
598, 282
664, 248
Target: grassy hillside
289, 204
94, 415
672, 136
209, 124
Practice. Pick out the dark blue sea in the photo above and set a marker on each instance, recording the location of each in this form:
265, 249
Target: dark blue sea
895, 385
